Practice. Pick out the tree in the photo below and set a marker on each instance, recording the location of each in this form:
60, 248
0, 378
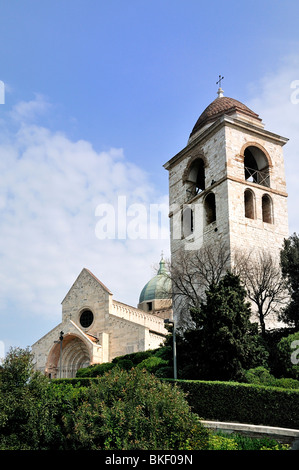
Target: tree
222, 342
27, 414
262, 277
192, 273
290, 269
122, 410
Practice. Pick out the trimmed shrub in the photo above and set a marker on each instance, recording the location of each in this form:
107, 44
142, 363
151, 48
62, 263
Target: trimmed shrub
152, 364
243, 403
258, 375
95, 370
262, 376
136, 358
152, 360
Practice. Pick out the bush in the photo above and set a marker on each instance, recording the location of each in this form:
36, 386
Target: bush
152, 364
151, 360
136, 358
262, 376
288, 356
125, 364
164, 372
28, 418
259, 375
243, 403
220, 442
134, 410
224, 441
95, 370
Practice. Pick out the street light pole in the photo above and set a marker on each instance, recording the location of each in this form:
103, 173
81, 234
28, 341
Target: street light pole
60, 358
172, 322
61, 339
174, 353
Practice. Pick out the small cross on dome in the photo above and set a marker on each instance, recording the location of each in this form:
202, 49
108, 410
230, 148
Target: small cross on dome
220, 91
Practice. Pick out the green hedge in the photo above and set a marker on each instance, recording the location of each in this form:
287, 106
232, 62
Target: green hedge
229, 401
243, 403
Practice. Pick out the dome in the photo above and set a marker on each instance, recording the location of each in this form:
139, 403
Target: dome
222, 105
159, 287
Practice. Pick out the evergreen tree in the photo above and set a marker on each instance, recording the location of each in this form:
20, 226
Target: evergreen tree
290, 270
223, 342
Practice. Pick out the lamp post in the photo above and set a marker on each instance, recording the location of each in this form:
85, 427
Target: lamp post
60, 358
172, 322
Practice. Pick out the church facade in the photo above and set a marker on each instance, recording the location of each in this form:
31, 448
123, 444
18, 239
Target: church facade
95, 328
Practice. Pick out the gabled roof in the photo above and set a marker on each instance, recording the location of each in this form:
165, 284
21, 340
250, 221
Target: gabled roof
100, 282
94, 277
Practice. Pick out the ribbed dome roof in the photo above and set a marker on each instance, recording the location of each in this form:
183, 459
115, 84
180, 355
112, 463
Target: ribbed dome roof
222, 105
159, 287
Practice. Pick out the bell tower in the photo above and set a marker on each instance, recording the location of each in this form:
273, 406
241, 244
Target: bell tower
228, 184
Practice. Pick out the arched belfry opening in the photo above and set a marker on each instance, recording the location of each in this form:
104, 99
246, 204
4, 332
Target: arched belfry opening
267, 209
195, 178
249, 204
210, 208
256, 166
187, 220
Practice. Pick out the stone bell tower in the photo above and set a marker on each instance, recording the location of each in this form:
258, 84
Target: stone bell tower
228, 184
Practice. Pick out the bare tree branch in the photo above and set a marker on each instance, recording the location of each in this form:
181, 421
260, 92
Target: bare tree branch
191, 274
261, 275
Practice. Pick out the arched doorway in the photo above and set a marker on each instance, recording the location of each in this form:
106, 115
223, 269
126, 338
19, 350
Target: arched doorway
75, 355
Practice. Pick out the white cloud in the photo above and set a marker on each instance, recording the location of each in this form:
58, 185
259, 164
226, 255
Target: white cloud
50, 188
273, 99
30, 110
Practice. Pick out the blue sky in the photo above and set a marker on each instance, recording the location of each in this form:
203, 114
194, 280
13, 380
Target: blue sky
98, 96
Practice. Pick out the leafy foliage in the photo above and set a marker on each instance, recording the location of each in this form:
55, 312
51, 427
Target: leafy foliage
222, 441
222, 342
26, 409
288, 349
262, 376
155, 361
243, 403
120, 410
134, 410
290, 270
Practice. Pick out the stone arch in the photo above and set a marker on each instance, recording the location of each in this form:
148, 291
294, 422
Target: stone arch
259, 146
75, 354
257, 163
194, 176
210, 208
267, 209
187, 220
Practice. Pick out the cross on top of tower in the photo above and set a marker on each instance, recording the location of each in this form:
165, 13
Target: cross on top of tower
219, 81
220, 91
